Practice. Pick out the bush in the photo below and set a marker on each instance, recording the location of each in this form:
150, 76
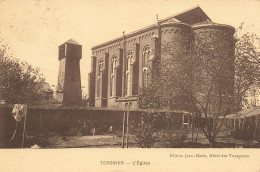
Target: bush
148, 135
145, 137
243, 134
172, 139
144, 131
84, 131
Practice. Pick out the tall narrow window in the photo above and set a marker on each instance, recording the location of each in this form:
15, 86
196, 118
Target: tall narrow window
112, 86
100, 67
113, 71
128, 71
98, 87
146, 54
145, 78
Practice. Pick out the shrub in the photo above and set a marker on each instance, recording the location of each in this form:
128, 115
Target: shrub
145, 137
172, 138
145, 132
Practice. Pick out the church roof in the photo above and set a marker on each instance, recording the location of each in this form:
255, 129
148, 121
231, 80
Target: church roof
185, 16
188, 16
71, 41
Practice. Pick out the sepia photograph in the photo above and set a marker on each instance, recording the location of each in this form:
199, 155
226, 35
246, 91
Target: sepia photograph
101, 77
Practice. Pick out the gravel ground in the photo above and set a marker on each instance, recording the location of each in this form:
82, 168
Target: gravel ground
103, 141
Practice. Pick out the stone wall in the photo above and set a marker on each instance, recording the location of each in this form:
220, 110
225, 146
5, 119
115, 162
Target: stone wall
63, 121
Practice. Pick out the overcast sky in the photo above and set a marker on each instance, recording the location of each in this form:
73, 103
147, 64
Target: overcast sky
34, 29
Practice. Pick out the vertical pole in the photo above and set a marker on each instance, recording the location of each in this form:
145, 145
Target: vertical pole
24, 124
234, 123
123, 133
233, 127
256, 122
239, 120
124, 66
90, 122
127, 118
225, 124
192, 120
182, 120
188, 126
243, 124
192, 129
91, 127
84, 124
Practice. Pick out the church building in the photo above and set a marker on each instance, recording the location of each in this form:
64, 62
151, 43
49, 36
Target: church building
119, 67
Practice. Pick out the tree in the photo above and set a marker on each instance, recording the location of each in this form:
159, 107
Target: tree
247, 54
19, 81
206, 79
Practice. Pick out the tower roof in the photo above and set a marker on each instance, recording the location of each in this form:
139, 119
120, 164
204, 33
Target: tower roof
172, 20
207, 22
71, 41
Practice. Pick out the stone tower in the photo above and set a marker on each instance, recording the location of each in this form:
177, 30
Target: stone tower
69, 81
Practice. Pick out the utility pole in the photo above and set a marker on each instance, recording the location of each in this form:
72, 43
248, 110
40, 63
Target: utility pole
124, 66
24, 124
123, 133
127, 119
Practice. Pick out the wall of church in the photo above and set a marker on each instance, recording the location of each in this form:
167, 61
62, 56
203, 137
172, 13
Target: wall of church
123, 79
219, 42
128, 74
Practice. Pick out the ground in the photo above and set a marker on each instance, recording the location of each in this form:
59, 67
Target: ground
103, 141
110, 141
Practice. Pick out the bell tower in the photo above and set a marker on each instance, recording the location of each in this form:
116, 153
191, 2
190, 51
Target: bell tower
69, 81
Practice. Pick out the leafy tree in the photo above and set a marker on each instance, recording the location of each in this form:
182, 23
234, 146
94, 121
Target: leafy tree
207, 79
19, 81
247, 54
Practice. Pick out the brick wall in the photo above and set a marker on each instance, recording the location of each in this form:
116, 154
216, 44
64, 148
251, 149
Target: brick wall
64, 121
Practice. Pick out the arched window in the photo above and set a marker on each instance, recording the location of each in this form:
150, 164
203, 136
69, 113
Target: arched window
113, 64
128, 71
146, 54
130, 105
100, 66
113, 69
129, 60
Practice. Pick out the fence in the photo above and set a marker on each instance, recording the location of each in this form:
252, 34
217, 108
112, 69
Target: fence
71, 120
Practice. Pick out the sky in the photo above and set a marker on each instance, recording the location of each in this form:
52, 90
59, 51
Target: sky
33, 29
